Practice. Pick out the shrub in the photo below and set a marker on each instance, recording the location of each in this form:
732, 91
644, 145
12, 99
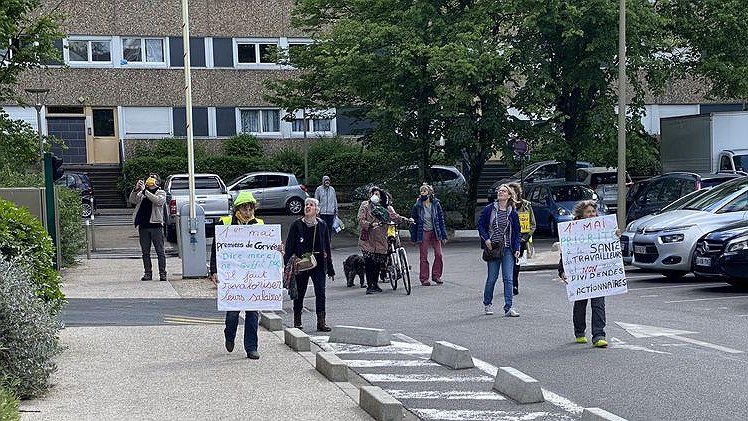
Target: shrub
244, 145
72, 236
28, 333
141, 149
176, 147
23, 236
289, 160
8, 405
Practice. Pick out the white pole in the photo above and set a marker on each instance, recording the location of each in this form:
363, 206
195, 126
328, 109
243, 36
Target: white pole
622, 114
188, 109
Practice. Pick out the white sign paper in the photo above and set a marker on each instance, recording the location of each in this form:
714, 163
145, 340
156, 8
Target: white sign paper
250, 267
591, 253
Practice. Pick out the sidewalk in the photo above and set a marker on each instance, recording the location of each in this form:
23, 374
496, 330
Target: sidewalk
175, 371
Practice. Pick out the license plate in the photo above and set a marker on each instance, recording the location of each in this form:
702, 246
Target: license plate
208, 220
640, 249
703, 261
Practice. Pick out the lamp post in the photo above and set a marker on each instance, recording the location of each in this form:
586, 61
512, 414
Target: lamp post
621, 114
38, 95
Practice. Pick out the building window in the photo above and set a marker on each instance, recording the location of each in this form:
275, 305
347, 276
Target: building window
315, 125
255, 52
260, 121
143, 50
89, 51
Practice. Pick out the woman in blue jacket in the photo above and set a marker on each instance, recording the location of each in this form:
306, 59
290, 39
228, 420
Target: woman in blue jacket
498, 227
428, 230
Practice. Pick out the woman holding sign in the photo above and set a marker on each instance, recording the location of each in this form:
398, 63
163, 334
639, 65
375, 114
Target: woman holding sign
309, 240
582, 210
498, 227
526, 228
245, 205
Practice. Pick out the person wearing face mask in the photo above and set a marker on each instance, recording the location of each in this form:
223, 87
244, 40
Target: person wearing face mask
428, 231
372, 241
245, 206
148, 218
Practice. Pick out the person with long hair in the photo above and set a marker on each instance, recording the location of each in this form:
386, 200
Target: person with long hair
498, 227
582, 210
428, 231
527, 227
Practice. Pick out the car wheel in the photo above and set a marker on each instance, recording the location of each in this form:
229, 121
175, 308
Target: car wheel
295, 206
86, 210
674, 274
171, 234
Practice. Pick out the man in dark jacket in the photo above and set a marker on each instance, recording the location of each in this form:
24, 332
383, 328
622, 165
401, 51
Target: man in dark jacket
148, 217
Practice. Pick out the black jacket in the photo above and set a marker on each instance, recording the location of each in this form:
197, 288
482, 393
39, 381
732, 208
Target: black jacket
296, 246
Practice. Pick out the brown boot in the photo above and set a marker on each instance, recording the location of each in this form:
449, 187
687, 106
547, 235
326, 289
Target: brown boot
297, 320
321, 326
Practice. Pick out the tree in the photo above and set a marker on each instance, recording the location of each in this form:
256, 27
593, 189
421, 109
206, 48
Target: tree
571, 68
27, 40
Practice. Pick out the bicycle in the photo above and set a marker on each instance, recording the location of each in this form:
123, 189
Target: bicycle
397, 266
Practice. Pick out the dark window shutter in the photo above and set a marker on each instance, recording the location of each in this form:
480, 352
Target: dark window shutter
197, 52
225, 121
199, 121
223, 52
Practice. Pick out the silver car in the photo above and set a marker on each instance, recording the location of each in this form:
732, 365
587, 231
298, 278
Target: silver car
604, 181
666, 242
273, 190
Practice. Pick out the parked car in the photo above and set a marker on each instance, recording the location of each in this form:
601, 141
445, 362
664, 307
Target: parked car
604, 181
627, 237
723, 254
657, 192
446, 179
553, 202
667, 242
210, 193
533, 173
273, 190
79, 182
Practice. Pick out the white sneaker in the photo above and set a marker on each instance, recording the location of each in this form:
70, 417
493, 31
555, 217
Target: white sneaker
488, 310
511, 313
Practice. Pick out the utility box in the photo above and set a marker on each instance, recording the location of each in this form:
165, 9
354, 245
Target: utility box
34, 200
191, 242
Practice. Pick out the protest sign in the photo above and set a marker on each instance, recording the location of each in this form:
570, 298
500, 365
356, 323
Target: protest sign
591, 253
250, 267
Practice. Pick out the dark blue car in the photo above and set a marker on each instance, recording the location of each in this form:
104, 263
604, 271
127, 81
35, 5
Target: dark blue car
553, 202
723, 254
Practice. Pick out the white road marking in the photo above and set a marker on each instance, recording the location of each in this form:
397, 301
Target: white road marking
468, 415
706, 299
390, 363
448, 395
419, 378
644, 331
617, 343
707, 345
699, 285
649, 296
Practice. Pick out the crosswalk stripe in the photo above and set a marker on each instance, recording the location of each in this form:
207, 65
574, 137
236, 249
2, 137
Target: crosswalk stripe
472, 415
197, 319
191, 320
408, 378
389, 363
441, 394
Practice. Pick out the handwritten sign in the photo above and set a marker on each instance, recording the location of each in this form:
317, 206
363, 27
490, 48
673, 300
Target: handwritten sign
524, 222
250, 267
591, 253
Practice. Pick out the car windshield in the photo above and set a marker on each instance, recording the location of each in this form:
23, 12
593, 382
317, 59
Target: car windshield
527, 170
571, 193
685, 201
206, 185
741, 162
236, 180
710, 200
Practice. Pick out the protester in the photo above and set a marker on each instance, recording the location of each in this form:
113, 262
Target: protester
527, 227
148, 217
582, 210
245, 206
498, 227
328, 203
309, 236
373, 237
427, 231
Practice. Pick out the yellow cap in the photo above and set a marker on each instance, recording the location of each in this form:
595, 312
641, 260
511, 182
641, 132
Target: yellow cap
244, 197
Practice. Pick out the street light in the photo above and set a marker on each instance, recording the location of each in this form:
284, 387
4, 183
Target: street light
38, 95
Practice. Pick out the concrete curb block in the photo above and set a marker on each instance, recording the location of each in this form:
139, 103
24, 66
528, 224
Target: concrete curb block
451, 355
597, 414
380, 405
359, 336
271, 321
331, 366
296, 339
518, 385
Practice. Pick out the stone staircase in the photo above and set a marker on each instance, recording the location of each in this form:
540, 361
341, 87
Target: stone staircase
492, 171
105, 179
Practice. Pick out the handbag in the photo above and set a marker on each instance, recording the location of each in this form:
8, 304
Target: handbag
495, 253
337, 224
308, 261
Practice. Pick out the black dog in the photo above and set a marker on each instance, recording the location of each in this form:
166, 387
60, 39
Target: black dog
352, 266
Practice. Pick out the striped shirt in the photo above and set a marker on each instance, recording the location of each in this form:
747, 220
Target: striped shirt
499, 227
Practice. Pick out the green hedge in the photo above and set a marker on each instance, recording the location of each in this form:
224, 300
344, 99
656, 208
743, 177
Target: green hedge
72, 236
244, 145
9, 404
22, 236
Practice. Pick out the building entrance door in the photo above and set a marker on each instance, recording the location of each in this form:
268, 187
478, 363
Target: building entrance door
102, 138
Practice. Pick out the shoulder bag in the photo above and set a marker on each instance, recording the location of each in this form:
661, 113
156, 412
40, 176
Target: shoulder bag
308, 261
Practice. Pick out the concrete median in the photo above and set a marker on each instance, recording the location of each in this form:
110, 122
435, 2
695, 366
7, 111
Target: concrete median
451, 355
331, 366
296, 339
379, 404
359, 336
271, 321
518, 385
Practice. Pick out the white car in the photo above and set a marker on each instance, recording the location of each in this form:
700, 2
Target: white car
666, 242
627, 238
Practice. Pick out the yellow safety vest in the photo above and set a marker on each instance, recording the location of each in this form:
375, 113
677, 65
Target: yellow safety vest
524, 222
227, 220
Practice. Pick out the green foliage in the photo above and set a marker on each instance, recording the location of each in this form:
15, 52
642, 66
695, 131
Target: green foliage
176, 147
28, 333
323, 148
141, 149
27, 40
19, 144
72, 236
290, 160
23, 236
353, 167
242, 145
8, 405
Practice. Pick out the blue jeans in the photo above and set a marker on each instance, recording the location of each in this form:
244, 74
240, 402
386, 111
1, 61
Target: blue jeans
251, 319
506, 266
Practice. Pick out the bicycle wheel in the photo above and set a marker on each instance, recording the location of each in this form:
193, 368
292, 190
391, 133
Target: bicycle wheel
391, 272
405, 269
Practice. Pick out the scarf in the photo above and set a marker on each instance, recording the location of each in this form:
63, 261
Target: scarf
309, 223
379, 212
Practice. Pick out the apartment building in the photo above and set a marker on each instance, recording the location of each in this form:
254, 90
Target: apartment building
122, 75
